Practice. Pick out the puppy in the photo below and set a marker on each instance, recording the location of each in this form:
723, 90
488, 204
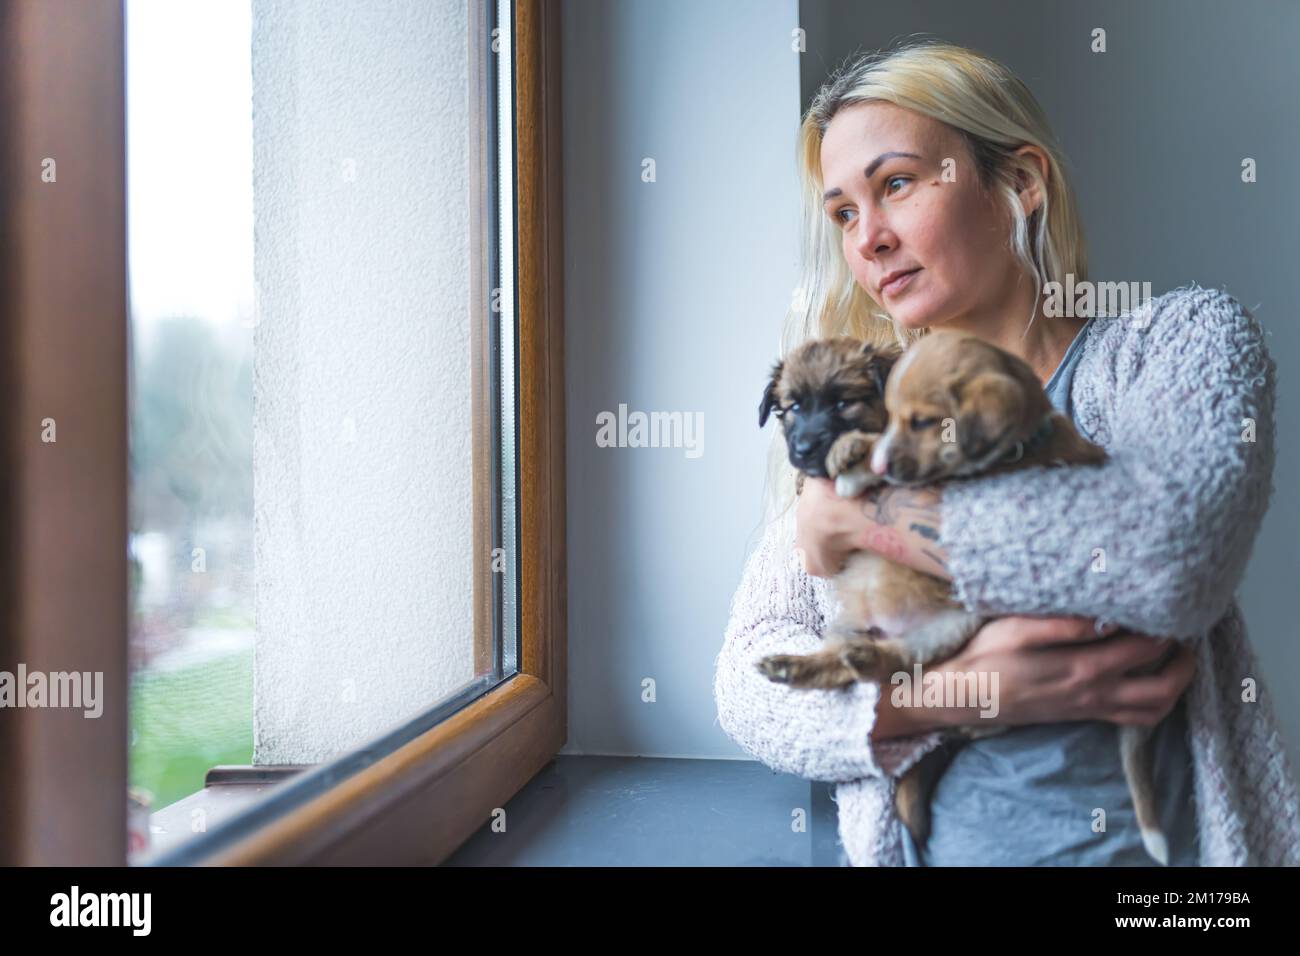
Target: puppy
829, 390
956, 406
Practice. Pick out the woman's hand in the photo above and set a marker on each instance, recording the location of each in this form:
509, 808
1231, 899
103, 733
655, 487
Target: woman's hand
901, 524
827, 528
1049, 668
1057, 669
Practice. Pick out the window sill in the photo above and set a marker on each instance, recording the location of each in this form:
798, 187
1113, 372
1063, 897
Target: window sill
653, 811
227, 792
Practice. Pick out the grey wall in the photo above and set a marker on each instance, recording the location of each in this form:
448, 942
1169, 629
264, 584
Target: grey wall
674, 294
1155, 130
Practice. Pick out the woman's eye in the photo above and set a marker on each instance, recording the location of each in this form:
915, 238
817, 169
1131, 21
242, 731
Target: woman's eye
839, 214
919, 423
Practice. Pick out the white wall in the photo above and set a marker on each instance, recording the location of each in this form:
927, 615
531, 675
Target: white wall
361, 390
674, 295
675, 292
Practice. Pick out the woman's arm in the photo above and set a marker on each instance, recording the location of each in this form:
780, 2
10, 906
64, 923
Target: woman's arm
817, 734
1158, 537
1050, 668
901, 523
905, 524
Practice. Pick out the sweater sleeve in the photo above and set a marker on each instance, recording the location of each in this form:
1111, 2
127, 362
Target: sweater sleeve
1157, 538
817, 734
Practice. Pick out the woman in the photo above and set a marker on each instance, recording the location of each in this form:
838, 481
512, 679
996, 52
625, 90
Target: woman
936, 197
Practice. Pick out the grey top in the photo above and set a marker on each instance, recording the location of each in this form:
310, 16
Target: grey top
1029, 796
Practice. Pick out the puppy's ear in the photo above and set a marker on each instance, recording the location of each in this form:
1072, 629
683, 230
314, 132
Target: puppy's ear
881, 362
881, 366
769, 394
989, 407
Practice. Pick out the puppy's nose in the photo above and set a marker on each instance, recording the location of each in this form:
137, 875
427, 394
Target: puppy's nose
903, 468
803, 447
879, 458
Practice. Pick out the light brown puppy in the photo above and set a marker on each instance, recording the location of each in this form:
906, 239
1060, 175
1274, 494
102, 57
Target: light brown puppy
960, 406
957, 406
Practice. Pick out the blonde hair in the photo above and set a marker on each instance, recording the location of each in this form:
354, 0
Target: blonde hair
994, 112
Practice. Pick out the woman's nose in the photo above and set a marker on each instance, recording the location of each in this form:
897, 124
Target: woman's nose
874, 236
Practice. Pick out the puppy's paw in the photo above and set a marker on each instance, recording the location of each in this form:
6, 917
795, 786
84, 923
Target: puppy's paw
779, 668
863, 658
911, 803
812, 671
1157, 846
848, 452
853, 483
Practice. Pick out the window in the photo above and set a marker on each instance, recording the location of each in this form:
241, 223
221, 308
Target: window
345, 529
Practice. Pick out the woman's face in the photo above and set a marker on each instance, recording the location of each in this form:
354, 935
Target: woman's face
900, 208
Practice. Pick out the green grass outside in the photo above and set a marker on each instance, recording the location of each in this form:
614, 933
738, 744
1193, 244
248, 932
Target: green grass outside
187, 721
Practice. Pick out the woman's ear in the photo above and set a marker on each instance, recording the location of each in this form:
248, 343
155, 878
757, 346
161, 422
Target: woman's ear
1027, 187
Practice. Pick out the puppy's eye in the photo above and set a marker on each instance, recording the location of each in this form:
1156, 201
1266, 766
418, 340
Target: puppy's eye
919, 423
845, 403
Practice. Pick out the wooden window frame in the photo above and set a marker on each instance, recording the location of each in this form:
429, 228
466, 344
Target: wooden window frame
64, 563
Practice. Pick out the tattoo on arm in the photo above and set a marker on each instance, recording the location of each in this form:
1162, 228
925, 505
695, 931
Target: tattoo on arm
887, 504
943, 565
887, 542
916, 510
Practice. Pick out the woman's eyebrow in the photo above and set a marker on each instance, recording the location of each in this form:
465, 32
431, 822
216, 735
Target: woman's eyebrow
871, 168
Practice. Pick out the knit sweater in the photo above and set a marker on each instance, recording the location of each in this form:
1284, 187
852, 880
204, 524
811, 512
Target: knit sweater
1170, 390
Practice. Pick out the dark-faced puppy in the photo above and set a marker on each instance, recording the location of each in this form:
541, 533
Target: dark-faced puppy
829, 396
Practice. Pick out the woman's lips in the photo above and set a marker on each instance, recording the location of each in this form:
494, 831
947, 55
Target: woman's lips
897, 285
